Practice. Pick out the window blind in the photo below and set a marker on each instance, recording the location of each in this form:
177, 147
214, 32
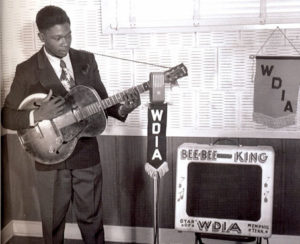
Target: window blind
140, 15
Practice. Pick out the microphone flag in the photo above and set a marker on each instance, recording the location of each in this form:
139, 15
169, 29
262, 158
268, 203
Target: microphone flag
157, 125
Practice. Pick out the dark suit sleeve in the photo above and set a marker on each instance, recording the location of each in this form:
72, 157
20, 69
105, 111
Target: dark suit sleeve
112, 111
11, 117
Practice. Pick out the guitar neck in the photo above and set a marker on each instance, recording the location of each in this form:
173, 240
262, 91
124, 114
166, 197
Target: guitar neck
120, 97
97, 107
94, 108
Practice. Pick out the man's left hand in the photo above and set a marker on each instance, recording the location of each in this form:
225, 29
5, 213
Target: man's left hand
132, 101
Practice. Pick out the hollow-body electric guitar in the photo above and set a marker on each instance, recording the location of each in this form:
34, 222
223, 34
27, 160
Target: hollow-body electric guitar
53, 141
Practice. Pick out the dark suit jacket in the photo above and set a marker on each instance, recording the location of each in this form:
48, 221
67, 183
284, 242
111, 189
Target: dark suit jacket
36, 75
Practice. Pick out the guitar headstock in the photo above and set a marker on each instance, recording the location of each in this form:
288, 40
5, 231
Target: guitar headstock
175, 73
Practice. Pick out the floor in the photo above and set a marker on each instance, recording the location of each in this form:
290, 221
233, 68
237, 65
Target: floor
36, 240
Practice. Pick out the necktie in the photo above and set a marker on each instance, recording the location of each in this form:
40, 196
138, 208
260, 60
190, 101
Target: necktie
65, 77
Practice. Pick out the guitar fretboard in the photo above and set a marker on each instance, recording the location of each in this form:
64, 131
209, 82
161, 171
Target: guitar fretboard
113, 100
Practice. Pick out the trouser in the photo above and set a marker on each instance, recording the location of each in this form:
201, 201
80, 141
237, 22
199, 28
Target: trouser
81, 187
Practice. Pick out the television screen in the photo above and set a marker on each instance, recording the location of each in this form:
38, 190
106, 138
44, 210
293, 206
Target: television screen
224, 191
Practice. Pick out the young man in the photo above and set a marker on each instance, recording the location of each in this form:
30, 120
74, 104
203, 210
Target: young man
78, 179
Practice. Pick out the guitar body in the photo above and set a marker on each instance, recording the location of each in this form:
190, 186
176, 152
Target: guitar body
53, 141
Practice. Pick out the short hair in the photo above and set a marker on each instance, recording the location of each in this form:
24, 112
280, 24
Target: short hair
50, 16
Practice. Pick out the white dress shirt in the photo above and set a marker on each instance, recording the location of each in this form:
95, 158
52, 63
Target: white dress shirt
55, 63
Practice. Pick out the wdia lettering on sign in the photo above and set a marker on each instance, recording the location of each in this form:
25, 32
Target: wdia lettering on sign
157, 121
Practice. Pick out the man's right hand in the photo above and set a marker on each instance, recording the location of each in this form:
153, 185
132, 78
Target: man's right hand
50, 108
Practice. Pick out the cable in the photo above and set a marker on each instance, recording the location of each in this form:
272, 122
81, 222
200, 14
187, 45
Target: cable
131, 60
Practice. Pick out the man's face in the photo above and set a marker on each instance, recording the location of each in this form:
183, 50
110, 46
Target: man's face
57, 39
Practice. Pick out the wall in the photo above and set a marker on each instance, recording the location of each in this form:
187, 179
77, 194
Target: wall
215, 100
128, 190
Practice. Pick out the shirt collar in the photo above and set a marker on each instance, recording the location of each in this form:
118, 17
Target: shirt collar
53, 59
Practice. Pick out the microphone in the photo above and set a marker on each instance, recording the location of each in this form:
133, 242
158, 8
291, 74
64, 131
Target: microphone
157, 87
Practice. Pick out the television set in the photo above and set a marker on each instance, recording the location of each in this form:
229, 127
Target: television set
224, 189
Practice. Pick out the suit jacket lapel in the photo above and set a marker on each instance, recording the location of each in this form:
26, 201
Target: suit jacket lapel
47, 75
78, 66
